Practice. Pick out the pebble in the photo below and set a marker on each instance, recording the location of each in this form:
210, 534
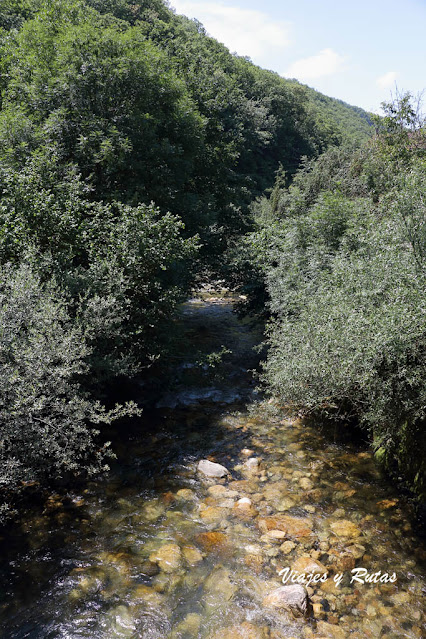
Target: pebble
292, 598
211, 469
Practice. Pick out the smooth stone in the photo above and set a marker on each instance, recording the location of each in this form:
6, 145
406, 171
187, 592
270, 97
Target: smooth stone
244, 631
356, 550
330, 630
294, 527
189, 626
287, 547
192, 555
168, 557
153, 511
212, 514
285, 504
255, 562
120, 623
307, 565
219, 583
306, 483
278, 535
186, 494
147, 594
213, 541
221, 492
211, 469
243, 509
251, 465
292, 598
345, 528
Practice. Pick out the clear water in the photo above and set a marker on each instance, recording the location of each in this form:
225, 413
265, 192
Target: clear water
156, 551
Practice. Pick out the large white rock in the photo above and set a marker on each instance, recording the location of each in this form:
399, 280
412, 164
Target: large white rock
293, 598
210, 469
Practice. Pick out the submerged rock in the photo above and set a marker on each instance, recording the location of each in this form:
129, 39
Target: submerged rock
186, 494
287, 547
251, 465
211, 469
292, 598
213, 541
245, 630
243, 509
188, 627
221, 492
192, 555
294, 527
307, 565
218, 585
330, 630
213, 514
345, 528
168, 557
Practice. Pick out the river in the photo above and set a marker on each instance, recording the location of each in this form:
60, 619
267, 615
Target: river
156, 550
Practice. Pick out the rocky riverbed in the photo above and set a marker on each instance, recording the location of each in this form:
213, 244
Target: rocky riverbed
214, 501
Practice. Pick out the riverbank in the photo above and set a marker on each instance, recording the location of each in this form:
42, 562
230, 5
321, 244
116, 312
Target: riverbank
157, 549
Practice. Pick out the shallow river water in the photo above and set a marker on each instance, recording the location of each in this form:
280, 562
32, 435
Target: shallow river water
157, 550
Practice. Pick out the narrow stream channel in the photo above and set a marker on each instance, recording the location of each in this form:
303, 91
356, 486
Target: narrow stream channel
157, 551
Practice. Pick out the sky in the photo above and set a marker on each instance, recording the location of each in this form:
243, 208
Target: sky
361, 52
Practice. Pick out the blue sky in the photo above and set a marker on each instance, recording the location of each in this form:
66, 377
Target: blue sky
356, 51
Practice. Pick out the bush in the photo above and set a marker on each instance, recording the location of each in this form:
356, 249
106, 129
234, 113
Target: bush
345, 270
44, 414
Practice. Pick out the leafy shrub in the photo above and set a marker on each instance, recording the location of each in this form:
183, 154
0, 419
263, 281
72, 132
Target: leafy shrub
44, 414
344, 267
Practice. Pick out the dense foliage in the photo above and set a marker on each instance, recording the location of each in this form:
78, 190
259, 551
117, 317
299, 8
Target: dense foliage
342, 252
131, 146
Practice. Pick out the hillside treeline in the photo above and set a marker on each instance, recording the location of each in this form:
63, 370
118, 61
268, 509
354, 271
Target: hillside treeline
339, 259
131, 146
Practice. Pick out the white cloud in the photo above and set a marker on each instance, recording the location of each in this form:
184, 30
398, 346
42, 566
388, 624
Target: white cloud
326, 62
387, 80
244, 31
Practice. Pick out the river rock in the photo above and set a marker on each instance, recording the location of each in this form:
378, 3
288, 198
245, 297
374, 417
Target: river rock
306, 483
345, 528
309, 565
243, 509
244, 631
190, 626
356, 550
192, 555
294, 527
287, 547
168, 557
213, 514
243, 486
211, 469
221, 492
251, 465
120, 623
213, 541
186, 494
330, 630
148, 595
293, 598
219, 585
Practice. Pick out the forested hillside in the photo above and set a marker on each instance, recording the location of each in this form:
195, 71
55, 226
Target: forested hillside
340, 258
131, 147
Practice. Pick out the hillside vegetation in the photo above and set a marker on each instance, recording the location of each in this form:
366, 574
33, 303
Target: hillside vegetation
340, 257
131, 147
